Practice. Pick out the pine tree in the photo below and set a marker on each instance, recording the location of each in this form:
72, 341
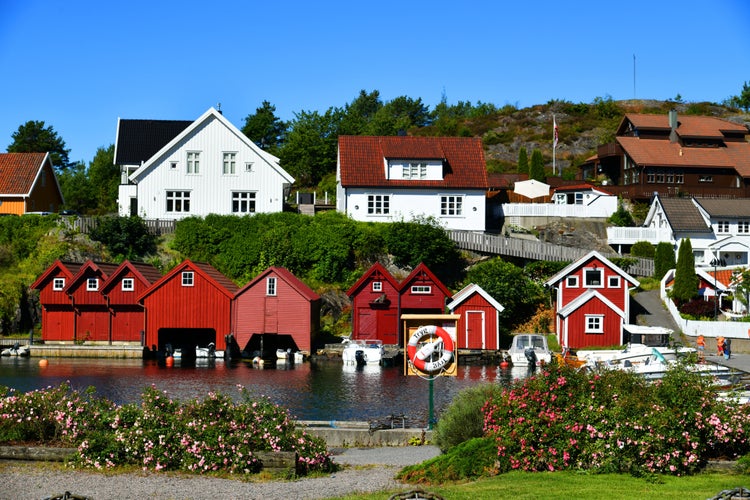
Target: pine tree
536, 171
663, 259
523, 161
685, 279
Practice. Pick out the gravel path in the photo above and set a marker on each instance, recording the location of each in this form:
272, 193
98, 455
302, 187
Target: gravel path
365, 470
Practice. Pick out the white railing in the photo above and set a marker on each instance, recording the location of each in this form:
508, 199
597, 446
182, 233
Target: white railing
630, 235
554, 210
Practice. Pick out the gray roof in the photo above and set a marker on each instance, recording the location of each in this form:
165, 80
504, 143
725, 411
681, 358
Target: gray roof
729, 208
139, 140
683, 215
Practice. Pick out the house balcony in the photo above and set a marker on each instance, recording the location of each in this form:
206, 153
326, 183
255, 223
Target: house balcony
630, 235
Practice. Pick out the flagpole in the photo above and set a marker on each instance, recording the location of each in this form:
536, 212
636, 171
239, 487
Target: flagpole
554, 143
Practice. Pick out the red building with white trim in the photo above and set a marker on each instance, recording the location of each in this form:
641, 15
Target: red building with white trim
57, 311
121, 291
478, 327
375, 302
91, 319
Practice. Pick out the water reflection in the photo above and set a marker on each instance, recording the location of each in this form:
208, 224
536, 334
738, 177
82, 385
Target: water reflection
323, 390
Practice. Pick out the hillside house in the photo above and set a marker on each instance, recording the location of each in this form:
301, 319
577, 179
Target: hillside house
28, 184
177, 169
375, 306
478, 326
188, 307
384, 179
57, 310
671, 155
592, 302
279, 309
120, 291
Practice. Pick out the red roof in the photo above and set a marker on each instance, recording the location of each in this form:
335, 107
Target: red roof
18, 171
687, 125
69, 268
147, 273
221, 282
375, 268
301, 288
362, 161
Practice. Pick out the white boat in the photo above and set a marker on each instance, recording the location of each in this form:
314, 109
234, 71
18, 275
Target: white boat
16, 350
363, 352
529, 347
633, 353
298, 358
656, 366
209, 352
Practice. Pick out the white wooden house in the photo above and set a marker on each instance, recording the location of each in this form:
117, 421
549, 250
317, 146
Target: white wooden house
174, 169
385, 179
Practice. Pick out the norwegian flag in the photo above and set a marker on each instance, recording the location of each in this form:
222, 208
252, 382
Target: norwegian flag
554, 126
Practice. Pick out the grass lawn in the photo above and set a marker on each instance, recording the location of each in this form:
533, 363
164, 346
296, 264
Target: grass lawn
575, 485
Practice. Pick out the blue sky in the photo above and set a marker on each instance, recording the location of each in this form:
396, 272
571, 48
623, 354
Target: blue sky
78, 65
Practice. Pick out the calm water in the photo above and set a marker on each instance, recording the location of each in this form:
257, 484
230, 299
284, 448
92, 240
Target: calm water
311, 391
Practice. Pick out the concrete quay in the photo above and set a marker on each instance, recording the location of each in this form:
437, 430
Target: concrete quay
85, 351
338, 434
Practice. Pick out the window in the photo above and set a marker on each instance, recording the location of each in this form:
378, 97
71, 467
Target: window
128, 285
593, 277
579, 199
377, 286
188, 278
92, 284
650, 176
271, 287
173, 165
249, 166
698, 256
421, 289
178, 201
743, 226
58, 284
679, 178
451, 205
193, 162
722, 226
614, 282
594, 323
705, 178
572, 281
378, 204
415, 171
243, 202
229, 162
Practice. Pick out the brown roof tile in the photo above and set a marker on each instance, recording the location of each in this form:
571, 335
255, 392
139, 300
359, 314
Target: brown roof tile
687, 125
362, 160
683, 215
738, 207
18, 172
656, 152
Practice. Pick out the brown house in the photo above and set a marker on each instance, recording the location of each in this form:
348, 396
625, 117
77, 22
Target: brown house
674, 156
28, 184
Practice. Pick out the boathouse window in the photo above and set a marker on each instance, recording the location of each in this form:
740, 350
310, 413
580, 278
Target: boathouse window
614, 282
128, 285
572, 281
377, 286
378, 204
58, 284
271, 286
594, 323
187, 278
92, 284
178, 201
722, 226
593, 278
421, 289
243, 202
229, 163
451, 205
193, 162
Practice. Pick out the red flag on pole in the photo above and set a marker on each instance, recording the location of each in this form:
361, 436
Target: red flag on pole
554, 125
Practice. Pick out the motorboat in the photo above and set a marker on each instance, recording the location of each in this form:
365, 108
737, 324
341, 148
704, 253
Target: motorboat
208, 352
16, 350
529, 349
363, 352
656, 366
634, 353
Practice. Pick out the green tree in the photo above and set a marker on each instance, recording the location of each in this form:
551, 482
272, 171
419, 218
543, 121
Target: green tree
359, 113
104, 180
621, 217
741, 278
743, 100
265, 129
76, 188
311, 144
536, 171
664, 259
643, 249
125, 237
400, 114
523, 161
685, 279
34, 137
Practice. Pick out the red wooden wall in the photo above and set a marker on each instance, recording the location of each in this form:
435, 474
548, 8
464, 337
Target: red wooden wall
478, 325
375, 312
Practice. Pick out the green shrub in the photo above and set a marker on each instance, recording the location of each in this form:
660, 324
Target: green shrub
643, 249
463, 419
472, 459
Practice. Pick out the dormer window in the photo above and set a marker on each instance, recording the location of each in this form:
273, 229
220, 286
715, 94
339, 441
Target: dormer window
415, 171
593, 278
187, 278
128, 285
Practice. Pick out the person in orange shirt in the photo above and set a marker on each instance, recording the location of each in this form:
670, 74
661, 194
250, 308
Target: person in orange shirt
719, 346
701, 348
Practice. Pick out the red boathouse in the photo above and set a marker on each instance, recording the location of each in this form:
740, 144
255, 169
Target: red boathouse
121, 291
57, 310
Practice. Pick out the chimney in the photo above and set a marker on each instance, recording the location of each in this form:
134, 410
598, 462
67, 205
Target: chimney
673, 125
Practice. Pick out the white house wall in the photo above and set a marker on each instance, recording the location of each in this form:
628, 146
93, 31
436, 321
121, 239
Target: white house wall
408, 204
210, 189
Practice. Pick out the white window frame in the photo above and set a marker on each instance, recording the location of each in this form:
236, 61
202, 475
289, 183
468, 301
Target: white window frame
271, 286
248, 166
229, 163
421, 289
414, 171
193, 162
92, 284
127, 285
378, 204
722, 226
613, 282
743, 226
594, 323
571, 282
188, 278
58, 284
243, 202
451, 205
592, 270
377, 286
177, 201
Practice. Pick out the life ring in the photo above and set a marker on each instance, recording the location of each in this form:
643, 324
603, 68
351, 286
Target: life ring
418, 356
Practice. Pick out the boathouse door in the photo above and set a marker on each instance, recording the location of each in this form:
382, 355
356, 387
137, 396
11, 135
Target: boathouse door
475, 335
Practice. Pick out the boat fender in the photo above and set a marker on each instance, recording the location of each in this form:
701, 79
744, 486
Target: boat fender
419, 356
